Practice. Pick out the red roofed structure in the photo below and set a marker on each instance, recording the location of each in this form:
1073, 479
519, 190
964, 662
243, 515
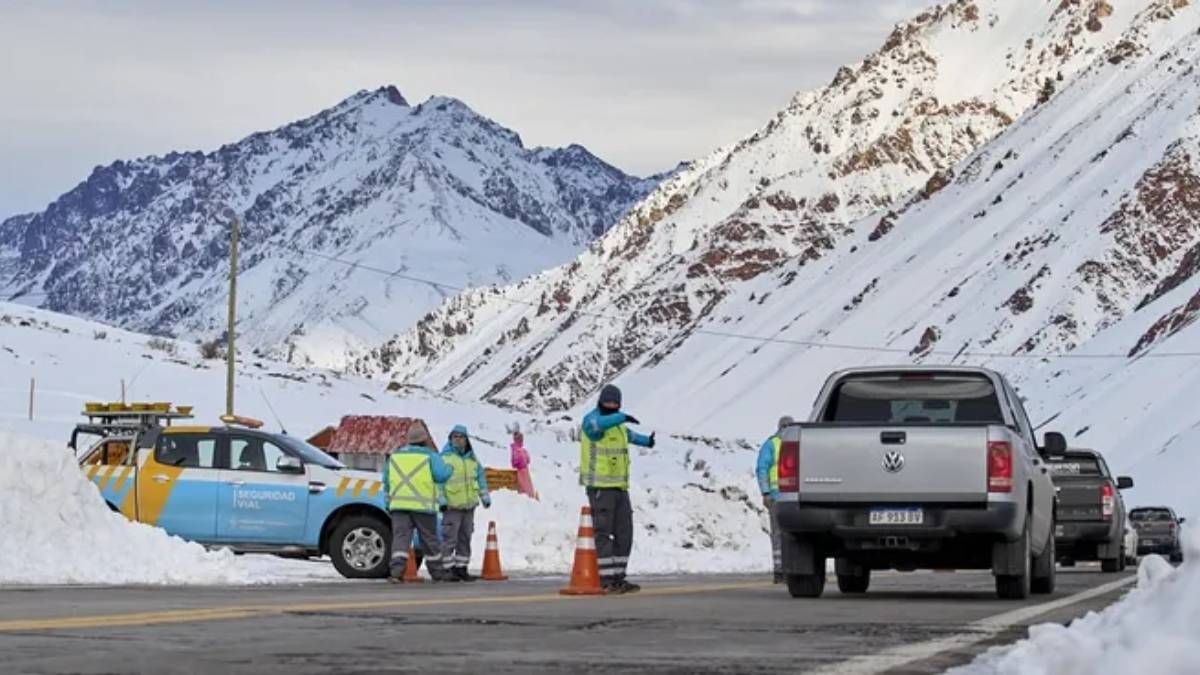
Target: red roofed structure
364, 441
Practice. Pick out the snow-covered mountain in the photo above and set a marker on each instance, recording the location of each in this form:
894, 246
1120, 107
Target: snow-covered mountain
792, 232
1014, 185
433, 191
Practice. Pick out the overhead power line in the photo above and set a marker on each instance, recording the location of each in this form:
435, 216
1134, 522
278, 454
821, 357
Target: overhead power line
815, 344
761, 339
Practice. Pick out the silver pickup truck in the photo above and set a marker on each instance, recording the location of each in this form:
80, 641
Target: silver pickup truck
917, 468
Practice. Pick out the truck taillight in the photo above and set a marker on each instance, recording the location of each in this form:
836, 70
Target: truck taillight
1108, 501
1000, 466
789, 466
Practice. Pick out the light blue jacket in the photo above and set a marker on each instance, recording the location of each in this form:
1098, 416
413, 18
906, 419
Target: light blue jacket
766, 459
480, 478
596, 423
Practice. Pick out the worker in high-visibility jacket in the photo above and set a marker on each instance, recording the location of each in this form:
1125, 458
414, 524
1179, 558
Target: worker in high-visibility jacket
604, 472
465, 491
767, 471
410, 479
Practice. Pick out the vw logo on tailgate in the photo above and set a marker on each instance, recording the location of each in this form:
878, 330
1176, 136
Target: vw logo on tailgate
893, 461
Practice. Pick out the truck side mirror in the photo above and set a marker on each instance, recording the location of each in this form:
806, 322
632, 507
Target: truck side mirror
1182, 521
1055, 444
289, 464
1124, 482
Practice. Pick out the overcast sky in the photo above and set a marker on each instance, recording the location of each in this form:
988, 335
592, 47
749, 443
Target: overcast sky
642, 83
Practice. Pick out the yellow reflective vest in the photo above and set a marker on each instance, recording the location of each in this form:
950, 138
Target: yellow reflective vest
605, 463
410, 483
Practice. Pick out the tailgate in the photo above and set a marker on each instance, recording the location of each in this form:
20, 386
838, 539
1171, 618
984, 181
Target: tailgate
897, 464
1079, 499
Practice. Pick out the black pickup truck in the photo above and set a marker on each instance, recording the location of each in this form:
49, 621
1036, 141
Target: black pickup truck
1158, 531
1091, 513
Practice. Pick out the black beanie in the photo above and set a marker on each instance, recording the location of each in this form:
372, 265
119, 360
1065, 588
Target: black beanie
610, 394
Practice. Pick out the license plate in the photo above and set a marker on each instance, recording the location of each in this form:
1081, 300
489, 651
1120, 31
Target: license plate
897, 516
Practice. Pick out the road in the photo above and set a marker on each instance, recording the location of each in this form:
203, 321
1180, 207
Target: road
908, 623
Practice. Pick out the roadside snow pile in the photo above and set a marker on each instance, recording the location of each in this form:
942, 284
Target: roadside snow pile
694, 511
1152, 630
59, 531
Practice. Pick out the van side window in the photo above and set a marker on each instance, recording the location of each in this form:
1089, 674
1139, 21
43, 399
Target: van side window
193, 451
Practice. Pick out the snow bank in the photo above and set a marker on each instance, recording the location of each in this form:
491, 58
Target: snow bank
58, 530
1151, 630
695, 510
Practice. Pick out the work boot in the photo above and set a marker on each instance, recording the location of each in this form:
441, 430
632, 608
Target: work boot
396, 579
628, 587
444, 576
610, 586
777, 578
463, 574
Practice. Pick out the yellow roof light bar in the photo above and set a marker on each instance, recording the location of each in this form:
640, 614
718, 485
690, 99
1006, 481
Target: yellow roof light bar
248, 422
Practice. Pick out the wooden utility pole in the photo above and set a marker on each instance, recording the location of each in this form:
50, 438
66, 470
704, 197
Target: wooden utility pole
32, 382
230, 354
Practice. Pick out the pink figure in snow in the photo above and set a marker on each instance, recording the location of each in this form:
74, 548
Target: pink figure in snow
520, 462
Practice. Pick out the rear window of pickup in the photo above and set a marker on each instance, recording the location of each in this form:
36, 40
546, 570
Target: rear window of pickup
902, 398
1151, 515
1071, 466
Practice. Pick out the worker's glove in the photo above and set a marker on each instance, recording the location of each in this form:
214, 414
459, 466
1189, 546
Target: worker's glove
651, 444
443, 507
631, 419
487, 501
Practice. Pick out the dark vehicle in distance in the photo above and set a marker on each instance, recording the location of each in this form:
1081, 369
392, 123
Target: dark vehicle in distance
1091, 512
1158, 531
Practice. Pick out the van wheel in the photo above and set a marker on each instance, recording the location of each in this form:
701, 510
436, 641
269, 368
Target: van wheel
1017, 586
806, 585
1043, 581
360, 547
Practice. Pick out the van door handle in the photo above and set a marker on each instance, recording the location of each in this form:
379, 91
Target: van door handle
893, 437
160, 478
316, 487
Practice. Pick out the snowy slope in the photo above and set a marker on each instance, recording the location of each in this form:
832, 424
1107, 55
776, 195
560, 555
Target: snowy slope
767, 216
695, 499
1074, 231
434, 191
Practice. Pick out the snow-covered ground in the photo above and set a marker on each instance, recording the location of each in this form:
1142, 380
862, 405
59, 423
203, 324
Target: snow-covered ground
695, 500
1151, 630
59, 531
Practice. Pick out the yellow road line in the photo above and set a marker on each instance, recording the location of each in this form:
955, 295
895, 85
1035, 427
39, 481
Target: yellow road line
249, 611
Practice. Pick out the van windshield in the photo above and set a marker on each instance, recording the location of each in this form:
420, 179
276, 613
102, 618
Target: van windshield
903, 398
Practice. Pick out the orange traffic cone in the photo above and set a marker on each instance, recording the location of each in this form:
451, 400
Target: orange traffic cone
585, 575
491, 557
410, 570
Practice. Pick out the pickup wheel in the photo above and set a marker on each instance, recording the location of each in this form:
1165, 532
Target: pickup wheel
359, 547
1043, 581
1017, 586
1177, 557
806, 585
854, 583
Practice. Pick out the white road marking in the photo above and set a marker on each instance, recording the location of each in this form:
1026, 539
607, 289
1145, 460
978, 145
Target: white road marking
979, 631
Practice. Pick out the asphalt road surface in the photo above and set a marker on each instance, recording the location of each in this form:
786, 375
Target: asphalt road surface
907, 623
